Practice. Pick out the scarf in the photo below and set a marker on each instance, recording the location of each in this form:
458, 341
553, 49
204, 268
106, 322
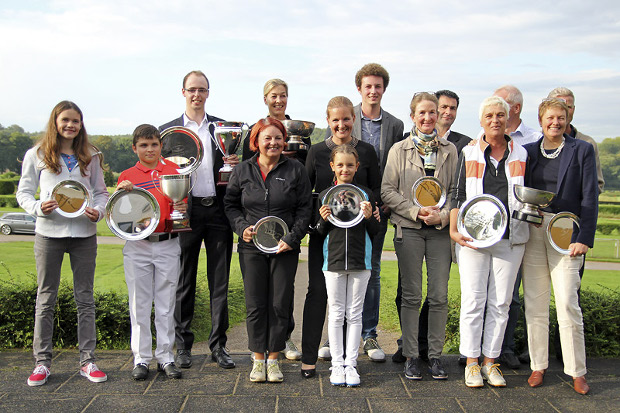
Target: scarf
427, 146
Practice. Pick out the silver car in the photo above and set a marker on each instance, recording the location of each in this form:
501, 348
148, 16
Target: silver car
17, 222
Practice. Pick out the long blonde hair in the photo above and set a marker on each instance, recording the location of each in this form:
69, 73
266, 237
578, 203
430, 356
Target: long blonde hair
49, 144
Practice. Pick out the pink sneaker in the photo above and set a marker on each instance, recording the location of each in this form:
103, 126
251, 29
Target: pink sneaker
92, 373
39, 376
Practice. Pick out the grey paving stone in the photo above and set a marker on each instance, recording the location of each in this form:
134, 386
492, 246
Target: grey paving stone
220, 404
194, 382
417, 404
372, 385
146, 403
323, 404
16, 403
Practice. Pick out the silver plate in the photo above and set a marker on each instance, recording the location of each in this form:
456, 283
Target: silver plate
482, 218
132, 215
183, 147
560, 231
269, 231
72, 197
428, 191
344, 201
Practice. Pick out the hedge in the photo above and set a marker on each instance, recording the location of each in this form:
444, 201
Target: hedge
601, 320
8, 201
609, 209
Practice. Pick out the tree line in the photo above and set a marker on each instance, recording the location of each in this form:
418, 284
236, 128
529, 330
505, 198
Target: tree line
119, 156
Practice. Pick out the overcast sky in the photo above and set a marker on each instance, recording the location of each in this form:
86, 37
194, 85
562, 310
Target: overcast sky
123, 61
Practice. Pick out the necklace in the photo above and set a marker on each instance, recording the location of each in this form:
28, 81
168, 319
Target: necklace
553, 154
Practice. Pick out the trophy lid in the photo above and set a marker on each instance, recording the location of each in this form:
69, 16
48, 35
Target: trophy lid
560, 231
345, 203
132, 215
269, 231
428, 191
484, 219
182, 146
72, 197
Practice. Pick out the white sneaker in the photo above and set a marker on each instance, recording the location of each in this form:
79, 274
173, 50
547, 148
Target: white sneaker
472, 376
492, 374
337, 378
290, 351
324, 352
274, 374
352, 378
258, 374
373, 349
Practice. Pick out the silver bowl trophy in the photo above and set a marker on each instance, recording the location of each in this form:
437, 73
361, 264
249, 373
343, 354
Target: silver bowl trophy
176, 188
428, 191
532, 199
227, 137
345, 201
183, 147
296, 130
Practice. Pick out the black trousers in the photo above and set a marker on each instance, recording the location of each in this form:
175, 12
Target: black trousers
209, 225
268, 280
315, 305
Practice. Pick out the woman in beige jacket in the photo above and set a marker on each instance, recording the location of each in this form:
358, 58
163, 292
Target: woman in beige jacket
422, 233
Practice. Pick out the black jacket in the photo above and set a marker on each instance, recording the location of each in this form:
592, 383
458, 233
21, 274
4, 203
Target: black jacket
285, 193
348, 249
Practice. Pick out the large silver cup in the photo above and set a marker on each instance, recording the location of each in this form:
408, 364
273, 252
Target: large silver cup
532, 200
227, 136
176, 188
296, 130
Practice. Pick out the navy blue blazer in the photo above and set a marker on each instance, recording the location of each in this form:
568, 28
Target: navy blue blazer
216, 159
577, 188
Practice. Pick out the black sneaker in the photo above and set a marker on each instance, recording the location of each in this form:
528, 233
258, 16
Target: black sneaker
436, 370
462, 360
184, 358
398, 356
509, 360
140, 371
170, 370
412, 369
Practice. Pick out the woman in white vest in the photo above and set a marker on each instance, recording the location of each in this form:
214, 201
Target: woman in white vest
492, 165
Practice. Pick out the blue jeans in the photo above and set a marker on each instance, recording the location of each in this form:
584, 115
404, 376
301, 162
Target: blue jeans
370, 315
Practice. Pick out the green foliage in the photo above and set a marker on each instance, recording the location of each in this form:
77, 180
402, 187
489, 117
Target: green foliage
601, 320
8, 201
609, 209
607, 226
108, 177
15, 143
7, 186
609, 155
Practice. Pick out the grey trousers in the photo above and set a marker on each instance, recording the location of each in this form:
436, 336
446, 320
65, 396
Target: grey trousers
49, 253
416, 246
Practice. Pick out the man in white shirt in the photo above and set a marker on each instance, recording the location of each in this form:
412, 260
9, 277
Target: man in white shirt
515, 127
209, 225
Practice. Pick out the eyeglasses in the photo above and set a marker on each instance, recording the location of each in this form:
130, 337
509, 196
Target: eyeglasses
193, 90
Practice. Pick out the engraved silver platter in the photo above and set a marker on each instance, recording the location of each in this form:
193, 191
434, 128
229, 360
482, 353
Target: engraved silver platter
482, 218
345, 203
560, 231
132, 215
183, 147
72, 197
269, 231
428, 191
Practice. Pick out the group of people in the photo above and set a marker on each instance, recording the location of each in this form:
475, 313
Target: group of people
365, 146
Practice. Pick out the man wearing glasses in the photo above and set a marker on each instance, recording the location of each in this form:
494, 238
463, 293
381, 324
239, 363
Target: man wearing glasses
209, 224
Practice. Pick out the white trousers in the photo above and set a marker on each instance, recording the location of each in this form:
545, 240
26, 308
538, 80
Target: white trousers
152, 275
487, 280
345, 297
543, 265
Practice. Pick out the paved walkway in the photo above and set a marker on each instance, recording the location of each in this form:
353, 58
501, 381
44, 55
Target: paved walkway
206, 387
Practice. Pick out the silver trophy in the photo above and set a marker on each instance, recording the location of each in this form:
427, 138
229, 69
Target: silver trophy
296, 130
176, 188
227, 137
532, 199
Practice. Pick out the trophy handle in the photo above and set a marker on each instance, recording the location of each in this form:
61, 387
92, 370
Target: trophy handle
245, 131
155, 179
192, 182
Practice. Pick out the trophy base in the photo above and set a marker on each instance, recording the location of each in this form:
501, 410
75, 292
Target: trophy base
296, 146
527, 217
177, 225
223, 178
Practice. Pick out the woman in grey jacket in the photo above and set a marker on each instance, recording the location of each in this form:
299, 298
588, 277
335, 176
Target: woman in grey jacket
63, 153
421, 232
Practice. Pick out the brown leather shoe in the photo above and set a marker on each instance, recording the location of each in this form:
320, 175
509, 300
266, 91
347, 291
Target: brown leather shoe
580, 385
536, 378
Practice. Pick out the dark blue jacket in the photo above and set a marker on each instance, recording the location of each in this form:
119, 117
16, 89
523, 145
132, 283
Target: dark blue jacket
577, 188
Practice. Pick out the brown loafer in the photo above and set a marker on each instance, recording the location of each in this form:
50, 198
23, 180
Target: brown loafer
580, 385
536, 378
